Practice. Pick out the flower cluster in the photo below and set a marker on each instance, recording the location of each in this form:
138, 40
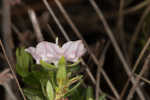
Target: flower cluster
51, 53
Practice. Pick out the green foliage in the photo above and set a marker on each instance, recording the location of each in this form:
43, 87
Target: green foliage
40, 73
33, 92
46, 81
82, 93
73, 88
61, 73
89, 93
51, 82
102, 97
31, 81
78, 94
30, 97
24, 60
47, 66
74, 64
49, 90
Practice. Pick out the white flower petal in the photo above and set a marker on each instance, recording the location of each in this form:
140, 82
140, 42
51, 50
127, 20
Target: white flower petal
73, 50
49, 52
81, 49
32, 51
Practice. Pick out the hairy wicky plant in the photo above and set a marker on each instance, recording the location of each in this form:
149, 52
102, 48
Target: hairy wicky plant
50, 78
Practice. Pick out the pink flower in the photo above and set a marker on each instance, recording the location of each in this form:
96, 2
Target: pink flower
73, 50
51, 53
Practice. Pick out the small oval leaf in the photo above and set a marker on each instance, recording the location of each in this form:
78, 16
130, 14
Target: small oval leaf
49, 90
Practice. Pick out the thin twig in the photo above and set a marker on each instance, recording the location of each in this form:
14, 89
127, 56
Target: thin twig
56, 20
120, 29
101, 60
136, 32
6, 29
13, 72
128, 11
136, 65
120, 17
118, 51
137, 7
132, 90
5, 81
97, 49
51, 31
142, 78
141, 55
94, 81
9, 91
35, 25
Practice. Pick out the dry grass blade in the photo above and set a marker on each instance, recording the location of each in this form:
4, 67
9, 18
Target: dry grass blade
132, 90
141, 55
137, 7
51, 31
120, 29
6, 29
143, 79
94, 81
35, 25
5, 80
137, 30
101, 60
110, 34
56, 20
13, 72
136, 64
10, 92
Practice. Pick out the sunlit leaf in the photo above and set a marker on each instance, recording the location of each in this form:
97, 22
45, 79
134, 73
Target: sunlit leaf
89, 93
33, 92
69, 92
102, 97
24, 60
61, 73
74, 79
74, 64
49, 90
47, 66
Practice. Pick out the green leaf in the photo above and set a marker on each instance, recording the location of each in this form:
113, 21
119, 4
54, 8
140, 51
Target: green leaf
102, 97
61, 73
53, 78
73, 69
73, 89
49, 90
73, 80
43, 87
31, 81
74, 64
78, 94
47, 66
24, 60
89, 93
40, 73
30, 97
33, 92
